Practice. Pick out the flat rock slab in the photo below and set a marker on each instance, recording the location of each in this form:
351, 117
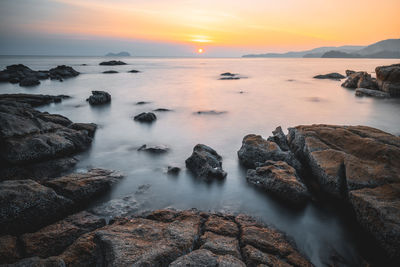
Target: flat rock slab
332, 76
369, 92
112, 63
33, 100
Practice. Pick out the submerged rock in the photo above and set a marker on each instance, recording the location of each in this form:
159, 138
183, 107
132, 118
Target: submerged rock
333, 76
118, 207
256, 150
173, 170
205, 163
112, 63
159, 149
110, 71
369, 92
99, 98
388, 78
280, 179
142, 103
133, 71
145, 117
210, 112
162, 110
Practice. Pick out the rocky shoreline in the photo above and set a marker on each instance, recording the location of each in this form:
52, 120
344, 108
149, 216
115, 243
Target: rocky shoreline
45, 220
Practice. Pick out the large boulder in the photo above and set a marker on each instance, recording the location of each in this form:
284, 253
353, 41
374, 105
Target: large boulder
256, 150
62, 72
26, 205
30, 139
388, 78
205, 162
360, 80
279, 179
99, 98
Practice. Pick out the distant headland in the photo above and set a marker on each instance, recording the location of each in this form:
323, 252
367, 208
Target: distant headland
120, 54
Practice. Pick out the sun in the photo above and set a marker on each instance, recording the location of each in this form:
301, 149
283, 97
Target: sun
200, 50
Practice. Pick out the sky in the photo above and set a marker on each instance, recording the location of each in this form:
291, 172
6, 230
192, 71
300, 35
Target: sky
181, 27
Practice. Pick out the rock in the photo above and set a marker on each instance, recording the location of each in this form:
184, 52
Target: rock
378, 211
83, 252
279, 138
112, 63
99, 98
162, 110
388, 78
145, 117
369, 92
256, 149
63, 72
221, 245
9, 249
33, 100
255, 257
142, 103
210, 112
30, 139
110, 71
333, 76
360, 80
221, 225
29, 81
154, 149
55, 238
26, 206
81, 187
205, 163
227, 74
230, 78
38, 262
281, 180
133, 71
118, 207
90, 128
173, 170
346, 158
349, 72
203, 257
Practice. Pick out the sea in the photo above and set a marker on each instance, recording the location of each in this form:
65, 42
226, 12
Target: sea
272, 92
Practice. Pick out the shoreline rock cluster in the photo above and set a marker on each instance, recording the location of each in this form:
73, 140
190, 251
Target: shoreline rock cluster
25, 76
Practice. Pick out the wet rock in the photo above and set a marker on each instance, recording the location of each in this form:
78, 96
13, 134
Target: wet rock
133, 71
110, 71
90, 128
280, 179
205, 163
333, 76
280, 138
55, 238
29, 81
25, 205
209, 112
112, 63
145, 117
369, 92
33, 100
62, 72
118, 207
360, 80
81, 187
349, 72
159, 149
378, 211
345, 158
99, 98
31, 138
142, 189
388, 78
256, 150
9, 249
173, 170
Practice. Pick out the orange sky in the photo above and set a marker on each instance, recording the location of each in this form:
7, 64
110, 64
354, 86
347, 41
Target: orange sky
273, 24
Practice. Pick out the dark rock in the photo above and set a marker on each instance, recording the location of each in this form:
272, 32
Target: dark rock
229, 78
219, 244
145, 117
256, 150
55, 238
369, 92
33, 100
221, 225
9, 249
133, 71
112, 63
162, 110
90, 128
333, 76
388, 78
281, 180
81, 187
118, 207
110, 71
227, 74
173, 170
210, 112
29, 81
142, 103
154, 149
378, 211
62, 72
26, 206
99, 98
280, 138
360, 80
203, 257
205, 163
349, 72
38, 262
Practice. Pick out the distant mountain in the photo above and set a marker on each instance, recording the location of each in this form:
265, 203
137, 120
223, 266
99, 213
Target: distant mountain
389, 48
120, 54
316, 52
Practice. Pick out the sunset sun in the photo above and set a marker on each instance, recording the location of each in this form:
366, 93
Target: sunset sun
200, 50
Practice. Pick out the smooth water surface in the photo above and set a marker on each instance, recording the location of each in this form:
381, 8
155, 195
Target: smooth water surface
276, 92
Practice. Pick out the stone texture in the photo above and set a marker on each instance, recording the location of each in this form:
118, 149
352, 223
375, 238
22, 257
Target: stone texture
369, 92
388, 78
9, 250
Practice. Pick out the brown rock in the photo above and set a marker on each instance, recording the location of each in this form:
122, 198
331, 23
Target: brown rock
388, 78
254, 257
55, 238
221, 225
221, 245
9, 251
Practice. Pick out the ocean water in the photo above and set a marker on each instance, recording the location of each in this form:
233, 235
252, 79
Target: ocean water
275, 92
